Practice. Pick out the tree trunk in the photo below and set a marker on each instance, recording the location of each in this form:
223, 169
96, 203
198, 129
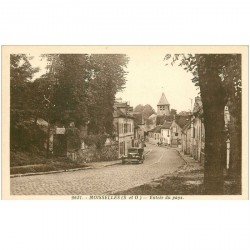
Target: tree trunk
213, 99
214, 150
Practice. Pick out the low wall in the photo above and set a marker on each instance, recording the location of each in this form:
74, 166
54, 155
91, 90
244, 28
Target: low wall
91, 154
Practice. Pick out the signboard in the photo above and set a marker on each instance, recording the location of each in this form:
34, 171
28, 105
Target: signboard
60, 131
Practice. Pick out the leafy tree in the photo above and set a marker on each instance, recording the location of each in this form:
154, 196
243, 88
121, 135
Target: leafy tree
173, 112
219, 79
139, 108
85, 88
108, 77
21, 74
77, 87
146, 110
70, 92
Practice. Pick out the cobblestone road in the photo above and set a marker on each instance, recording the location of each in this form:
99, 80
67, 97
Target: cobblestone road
106, 180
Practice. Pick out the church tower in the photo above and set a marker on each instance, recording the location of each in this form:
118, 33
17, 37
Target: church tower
163, 106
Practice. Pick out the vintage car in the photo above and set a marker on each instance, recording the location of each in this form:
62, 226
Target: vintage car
135, 155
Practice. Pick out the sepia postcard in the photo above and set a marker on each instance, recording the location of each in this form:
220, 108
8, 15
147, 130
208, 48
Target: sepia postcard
125, 122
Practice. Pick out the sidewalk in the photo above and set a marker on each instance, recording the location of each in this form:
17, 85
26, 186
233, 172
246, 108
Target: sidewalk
103, 164
191, 163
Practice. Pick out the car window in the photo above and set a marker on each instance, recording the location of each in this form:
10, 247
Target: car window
132, 150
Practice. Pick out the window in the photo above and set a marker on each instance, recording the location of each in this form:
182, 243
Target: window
121, 128
117, 127
176, 134
125, 128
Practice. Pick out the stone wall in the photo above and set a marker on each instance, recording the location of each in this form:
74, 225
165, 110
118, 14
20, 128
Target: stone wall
92, 154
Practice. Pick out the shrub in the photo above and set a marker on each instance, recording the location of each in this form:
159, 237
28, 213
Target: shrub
95, 140
25, 135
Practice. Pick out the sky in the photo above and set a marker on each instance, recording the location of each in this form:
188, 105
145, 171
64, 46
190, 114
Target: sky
148, 76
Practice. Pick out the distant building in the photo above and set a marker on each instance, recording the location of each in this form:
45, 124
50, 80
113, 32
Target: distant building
166, 133
197, 148
163, 114
166, 128
154, 135
176, 129
139, 129
163, 106
124, 126
186, 138
193, 133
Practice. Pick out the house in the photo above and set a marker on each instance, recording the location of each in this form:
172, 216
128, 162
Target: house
197, 146
186, 138
193, 134
154, 135
124, 126
197, 149
176, 129
166, 133
175, 134
139, 129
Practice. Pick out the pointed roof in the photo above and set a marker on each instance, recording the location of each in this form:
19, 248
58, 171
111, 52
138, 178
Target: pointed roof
182, 120
157, 129
138, 118
163, 100
160, 119
166, 125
